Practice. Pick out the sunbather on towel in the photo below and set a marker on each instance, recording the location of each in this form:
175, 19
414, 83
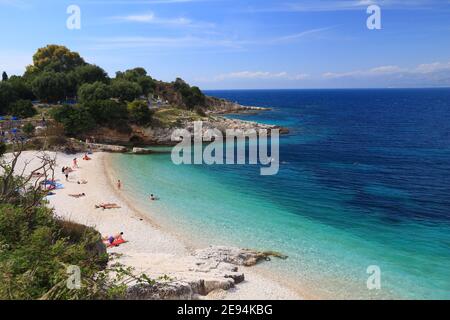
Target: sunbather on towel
77, 195
111, 239
107, 206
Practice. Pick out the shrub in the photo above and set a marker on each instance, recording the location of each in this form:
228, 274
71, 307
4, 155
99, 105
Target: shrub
125, 90
76, 119
139, 112
93, 92
23, 109
28, 129
107, 112
36, 250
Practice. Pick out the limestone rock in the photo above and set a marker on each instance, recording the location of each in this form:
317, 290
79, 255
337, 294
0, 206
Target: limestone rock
160, 291
236, 256
141, 151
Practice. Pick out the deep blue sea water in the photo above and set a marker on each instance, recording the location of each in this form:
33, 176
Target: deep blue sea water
364, 180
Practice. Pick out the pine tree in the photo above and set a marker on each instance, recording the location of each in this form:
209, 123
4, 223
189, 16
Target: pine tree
4, 76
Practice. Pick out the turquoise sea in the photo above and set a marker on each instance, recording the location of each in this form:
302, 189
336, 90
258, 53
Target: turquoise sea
364, 180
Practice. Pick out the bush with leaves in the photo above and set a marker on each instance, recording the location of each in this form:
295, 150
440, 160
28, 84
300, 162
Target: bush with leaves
139, 113
76, 120
28, 129
7, 96
22, 109
139, 76
21, 87
55, 58
90, 73
36, 248
125, 90
192, 96
52, 86
107, 112
89, 92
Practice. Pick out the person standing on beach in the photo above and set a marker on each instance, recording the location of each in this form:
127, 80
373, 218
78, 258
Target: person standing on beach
119, 184
75, 163
66, 173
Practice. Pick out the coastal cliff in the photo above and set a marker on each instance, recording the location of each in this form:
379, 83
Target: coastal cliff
145, 136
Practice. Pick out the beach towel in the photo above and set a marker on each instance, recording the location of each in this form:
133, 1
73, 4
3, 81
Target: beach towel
117, 243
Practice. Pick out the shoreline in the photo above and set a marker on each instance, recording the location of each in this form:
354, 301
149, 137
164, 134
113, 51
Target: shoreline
151, 249
191, 244
196, 244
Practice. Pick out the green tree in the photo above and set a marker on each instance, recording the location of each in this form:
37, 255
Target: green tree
21, 87
125, 90
139, 112
2, 149
23, 109
51, 86
55, 58
132, 74
192, 96
90, 73
28, 129
107, 112
93, 92
7, 96
147, 85
4, 76
139, 76
76, 120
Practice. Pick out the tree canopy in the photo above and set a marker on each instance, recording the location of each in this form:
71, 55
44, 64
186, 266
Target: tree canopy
23, 109
125, 90
90, 73
192, 96
93, 92
51, 86
139, 113
55, 58
75, 119
108, 113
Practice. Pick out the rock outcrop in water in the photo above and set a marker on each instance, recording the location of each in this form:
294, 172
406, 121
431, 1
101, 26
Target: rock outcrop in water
211, 271
236, 256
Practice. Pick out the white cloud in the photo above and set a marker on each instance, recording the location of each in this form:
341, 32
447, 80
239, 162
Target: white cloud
303, 34
251, 75
392, 70
140, 2
344, 5
432, 67
15, 3
255, 75
152, 18
159, 42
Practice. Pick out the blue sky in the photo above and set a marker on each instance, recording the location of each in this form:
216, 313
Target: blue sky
237, 44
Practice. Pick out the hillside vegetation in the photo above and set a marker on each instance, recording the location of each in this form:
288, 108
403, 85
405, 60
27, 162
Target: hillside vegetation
82, 97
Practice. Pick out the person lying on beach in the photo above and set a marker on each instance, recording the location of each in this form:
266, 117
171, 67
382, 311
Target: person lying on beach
77, 195
37, 174
82, 181
109, 240
107, 206
86, 157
